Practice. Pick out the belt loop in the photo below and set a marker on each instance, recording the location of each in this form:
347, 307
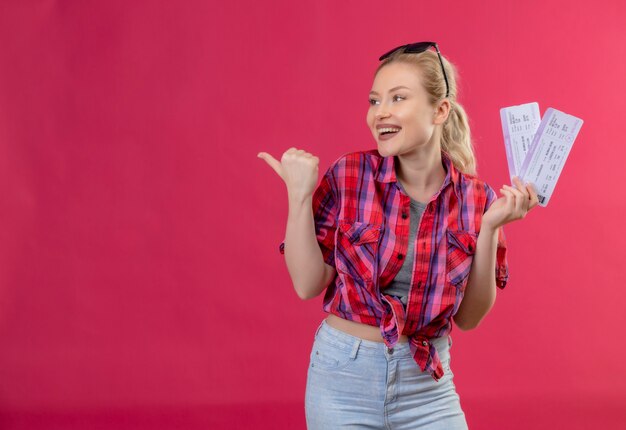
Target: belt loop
355, 348
449, 340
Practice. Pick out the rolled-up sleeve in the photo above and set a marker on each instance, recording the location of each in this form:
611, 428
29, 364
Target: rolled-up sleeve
502, 267
324, 204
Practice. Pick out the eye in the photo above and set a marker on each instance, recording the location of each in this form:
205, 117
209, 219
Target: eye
373, 101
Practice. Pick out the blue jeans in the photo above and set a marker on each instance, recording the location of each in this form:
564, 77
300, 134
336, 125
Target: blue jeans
353, 383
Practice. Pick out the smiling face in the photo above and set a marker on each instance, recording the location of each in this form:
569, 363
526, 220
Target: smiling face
398, 101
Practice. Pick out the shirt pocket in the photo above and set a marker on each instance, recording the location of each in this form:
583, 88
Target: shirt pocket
357, 249
460, 254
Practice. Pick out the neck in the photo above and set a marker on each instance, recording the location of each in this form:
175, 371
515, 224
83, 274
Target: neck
421, 170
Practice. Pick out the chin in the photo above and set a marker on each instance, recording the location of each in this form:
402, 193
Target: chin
385, 150
384, 153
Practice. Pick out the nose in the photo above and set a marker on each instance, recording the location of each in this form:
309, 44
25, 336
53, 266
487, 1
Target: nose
382, 113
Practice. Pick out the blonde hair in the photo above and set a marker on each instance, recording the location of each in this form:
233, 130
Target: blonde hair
455, 137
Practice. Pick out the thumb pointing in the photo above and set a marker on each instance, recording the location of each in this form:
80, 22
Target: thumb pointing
274, 163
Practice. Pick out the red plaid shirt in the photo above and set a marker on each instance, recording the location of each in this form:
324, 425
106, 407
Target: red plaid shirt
362, 227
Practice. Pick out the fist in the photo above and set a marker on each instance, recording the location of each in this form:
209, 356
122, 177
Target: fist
297, 168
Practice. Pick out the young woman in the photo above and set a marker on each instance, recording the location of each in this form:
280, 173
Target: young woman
405, 239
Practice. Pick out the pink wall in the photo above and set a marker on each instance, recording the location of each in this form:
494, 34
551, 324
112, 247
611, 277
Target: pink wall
139, 266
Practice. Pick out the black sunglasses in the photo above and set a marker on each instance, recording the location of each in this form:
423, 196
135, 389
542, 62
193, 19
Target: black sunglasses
414, 48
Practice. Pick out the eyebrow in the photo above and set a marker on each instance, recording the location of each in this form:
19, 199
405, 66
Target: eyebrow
393, 89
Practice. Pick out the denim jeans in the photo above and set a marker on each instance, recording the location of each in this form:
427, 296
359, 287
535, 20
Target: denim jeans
353, 383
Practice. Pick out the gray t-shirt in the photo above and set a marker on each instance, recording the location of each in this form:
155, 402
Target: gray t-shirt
399, 286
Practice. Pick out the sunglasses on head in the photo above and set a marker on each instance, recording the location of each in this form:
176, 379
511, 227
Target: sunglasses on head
414, 48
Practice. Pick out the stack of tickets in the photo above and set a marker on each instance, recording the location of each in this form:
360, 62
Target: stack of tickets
536, 148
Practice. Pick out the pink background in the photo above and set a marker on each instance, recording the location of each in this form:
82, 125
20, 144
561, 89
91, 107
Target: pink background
140, 280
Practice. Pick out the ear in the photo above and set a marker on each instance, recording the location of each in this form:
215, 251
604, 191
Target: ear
442, 111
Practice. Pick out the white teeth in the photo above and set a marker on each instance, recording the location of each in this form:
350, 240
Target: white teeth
382, 130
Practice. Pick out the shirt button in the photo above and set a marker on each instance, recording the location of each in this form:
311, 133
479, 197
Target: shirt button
404, 215
424, 343
400, 256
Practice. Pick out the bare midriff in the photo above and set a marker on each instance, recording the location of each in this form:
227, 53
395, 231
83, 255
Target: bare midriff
364, 331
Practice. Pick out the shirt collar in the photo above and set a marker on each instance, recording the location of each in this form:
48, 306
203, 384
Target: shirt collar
387, 169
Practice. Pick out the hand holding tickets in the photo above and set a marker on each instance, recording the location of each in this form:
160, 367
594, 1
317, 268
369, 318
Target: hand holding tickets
536, 150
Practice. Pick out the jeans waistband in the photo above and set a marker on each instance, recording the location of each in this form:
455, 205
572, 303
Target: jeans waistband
346, 340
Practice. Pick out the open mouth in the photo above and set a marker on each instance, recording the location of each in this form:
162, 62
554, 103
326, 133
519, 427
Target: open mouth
387, 133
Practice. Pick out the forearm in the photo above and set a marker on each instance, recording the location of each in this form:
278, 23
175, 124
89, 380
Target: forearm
480, 292
303, 255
